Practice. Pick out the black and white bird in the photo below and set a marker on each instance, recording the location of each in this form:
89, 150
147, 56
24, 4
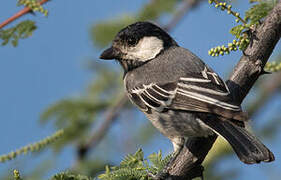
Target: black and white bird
179, 93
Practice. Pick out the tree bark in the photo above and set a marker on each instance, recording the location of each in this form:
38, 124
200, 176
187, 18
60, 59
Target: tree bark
187, 165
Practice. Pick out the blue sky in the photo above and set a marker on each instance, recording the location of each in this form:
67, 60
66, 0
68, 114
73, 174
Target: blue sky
50, 65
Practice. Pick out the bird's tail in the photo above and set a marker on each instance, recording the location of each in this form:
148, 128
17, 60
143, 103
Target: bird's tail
248, 148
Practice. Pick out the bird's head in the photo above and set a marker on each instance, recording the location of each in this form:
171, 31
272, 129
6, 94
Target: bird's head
138, 43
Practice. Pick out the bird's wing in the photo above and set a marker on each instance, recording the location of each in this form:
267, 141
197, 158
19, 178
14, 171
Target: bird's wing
199, 92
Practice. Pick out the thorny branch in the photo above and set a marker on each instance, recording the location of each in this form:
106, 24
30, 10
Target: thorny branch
19, 14
249, 68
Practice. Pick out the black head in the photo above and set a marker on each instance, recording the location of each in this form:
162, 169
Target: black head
135, 32
137, 43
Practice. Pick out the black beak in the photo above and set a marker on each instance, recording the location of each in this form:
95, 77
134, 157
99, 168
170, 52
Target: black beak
108, 54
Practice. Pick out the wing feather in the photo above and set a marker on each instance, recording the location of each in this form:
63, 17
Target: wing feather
200, 92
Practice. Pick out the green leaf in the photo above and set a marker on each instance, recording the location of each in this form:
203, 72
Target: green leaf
69, 176
135, 160
21, 31
34, 5
258, 11
135, 167
237, 30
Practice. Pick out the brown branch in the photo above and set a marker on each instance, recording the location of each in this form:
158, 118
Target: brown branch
188, 163
19, 14
186, 6
98, 135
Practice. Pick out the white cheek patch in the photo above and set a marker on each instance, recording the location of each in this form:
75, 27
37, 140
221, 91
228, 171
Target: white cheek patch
146, 49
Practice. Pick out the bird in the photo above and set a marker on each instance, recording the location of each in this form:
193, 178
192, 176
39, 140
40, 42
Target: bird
180, 94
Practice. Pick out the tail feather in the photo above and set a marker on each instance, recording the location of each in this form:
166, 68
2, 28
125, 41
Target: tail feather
248, 148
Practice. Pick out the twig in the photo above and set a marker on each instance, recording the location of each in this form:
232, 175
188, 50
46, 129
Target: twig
245, 74
185, 7
19, 14
98, 135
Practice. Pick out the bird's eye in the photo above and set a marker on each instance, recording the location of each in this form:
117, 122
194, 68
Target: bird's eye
132, 41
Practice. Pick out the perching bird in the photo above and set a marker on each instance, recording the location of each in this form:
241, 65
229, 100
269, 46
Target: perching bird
179, 93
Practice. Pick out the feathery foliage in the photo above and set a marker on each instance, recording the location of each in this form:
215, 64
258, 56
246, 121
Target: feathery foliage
35, 147
77, 115
69, 176
21, 31
34, 5
135, 167
244, 33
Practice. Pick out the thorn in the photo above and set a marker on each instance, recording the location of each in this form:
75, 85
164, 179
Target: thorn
263, 72
244, 53
32, 12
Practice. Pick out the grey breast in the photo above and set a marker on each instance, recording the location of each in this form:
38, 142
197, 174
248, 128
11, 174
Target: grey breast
169, 67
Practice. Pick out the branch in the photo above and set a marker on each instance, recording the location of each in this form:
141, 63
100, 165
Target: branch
98, 135
185, 8
19, 14
187, 165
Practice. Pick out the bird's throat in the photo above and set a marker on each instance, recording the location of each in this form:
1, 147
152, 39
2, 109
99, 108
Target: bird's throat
129, 65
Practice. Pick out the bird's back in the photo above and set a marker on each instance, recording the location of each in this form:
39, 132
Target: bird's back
168, 66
